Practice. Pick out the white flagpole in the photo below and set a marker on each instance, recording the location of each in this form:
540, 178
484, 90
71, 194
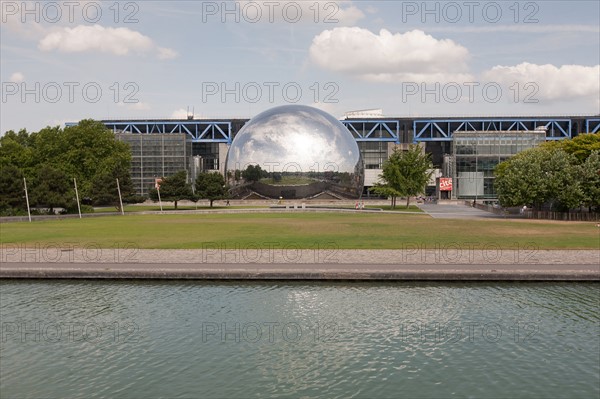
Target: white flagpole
27, 199
120, 199
159, 201
77, 195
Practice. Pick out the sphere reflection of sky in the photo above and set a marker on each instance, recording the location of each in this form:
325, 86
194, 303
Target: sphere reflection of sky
293, 137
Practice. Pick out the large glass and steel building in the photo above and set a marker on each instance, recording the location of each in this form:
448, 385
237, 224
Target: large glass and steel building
154, 156
476, 155
465, 149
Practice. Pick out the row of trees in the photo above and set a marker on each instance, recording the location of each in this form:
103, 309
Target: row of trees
404, 174
560, 175
51, 158
175, 188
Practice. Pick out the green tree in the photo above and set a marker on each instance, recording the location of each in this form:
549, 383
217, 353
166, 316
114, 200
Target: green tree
590, 176
12, 191
15, 150
405, 173
89, 148
79, 151
104, 189
51, 189
253, 173
543, 175
580, 146
174, 188
210, 186
520, 180
388, 192
564, 190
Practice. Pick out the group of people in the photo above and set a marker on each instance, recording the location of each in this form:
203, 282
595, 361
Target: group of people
359, 205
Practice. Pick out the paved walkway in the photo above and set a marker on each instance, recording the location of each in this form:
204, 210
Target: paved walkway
447, 254
456, 211
293, 264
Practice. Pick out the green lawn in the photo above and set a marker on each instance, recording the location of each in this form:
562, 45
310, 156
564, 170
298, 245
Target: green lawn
143, 208
303, 230
167, 208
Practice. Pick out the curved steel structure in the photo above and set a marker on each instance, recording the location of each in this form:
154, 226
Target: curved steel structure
295, 151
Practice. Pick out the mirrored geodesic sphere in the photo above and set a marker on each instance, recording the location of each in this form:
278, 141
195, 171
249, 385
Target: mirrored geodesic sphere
294, 151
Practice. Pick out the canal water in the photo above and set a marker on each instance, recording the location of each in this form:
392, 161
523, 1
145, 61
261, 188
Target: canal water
173, 339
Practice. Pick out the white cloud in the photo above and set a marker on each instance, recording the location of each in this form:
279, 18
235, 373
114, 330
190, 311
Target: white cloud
118, 41
166, 53
388, 57
349, 15
17, 77
553, 83
333, 109
339, 12
179, 114
140, 106
29, 30
371, 10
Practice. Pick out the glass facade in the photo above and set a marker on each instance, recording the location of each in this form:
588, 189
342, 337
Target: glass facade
470, 158
208, 153
373, 153
476, 154
154, 156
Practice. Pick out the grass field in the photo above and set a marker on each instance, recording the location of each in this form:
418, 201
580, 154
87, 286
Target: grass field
168, 208
303, 230
144, 208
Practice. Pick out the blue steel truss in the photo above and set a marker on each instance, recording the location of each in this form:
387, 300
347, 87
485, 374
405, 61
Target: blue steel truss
221, 131
373, 130
363, 129
592, 125
198, 130
443, 129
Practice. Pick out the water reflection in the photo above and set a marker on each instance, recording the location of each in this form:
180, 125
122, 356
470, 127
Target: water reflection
339, 340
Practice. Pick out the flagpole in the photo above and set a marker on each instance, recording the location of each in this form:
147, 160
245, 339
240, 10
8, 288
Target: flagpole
159, 201
77, 196
27, 199
120, 199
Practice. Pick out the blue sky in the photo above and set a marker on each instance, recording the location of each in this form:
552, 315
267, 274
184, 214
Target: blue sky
154, 59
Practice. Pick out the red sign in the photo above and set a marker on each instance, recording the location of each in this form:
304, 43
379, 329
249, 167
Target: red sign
445, 184
157, 183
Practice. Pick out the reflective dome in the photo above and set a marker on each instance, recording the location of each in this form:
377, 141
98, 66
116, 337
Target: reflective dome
294, 151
